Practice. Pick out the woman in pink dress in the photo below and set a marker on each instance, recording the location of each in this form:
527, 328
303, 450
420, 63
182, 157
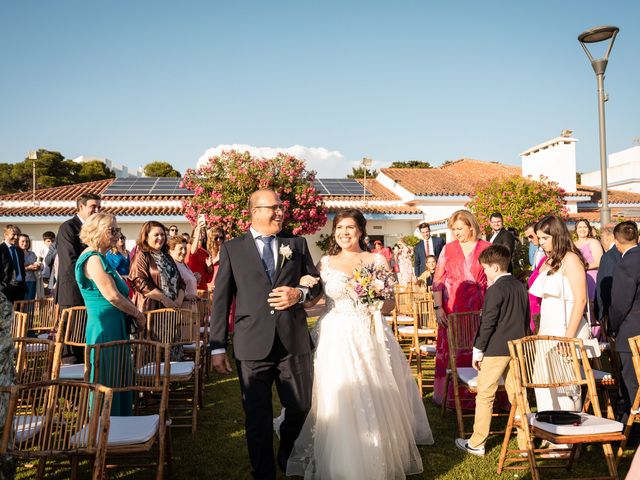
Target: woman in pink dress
591, 250
459, 285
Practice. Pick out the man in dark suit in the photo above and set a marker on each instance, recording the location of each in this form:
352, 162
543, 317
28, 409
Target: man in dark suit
624, 312
500, 235
12, 272
70, 248
604, 279
271, 341
505, 317
428, 246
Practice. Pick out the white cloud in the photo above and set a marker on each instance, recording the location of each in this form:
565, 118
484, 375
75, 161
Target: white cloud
328, 163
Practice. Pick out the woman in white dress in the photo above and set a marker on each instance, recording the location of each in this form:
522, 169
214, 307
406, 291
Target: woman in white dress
562, 286
367, 415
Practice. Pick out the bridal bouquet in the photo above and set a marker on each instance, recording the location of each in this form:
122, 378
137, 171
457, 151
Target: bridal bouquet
372, 284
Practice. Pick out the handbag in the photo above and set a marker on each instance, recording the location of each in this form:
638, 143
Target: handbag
130, 325
559, 417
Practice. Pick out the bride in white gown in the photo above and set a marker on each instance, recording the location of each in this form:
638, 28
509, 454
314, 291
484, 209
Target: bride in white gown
367, 415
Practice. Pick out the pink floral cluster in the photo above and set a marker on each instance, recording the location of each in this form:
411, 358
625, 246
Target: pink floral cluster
222, 188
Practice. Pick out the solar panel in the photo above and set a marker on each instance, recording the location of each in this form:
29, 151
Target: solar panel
340, 186
146, 186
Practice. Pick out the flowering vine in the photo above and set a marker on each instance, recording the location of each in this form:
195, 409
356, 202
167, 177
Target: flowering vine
223, 185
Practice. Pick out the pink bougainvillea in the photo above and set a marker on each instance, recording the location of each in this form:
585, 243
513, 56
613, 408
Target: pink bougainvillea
222, 188
520, 200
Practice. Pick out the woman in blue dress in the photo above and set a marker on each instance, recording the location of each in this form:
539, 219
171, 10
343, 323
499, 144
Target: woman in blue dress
105, 295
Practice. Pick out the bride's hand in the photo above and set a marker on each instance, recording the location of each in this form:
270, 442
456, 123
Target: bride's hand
308, 281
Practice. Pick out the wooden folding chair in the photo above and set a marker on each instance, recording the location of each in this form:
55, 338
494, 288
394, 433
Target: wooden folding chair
135, 371
42, 315
178, 328
559, 364
461, 333
63, 420
203, 306
423, 334
19, 325
634, 414
34, 359
72, 333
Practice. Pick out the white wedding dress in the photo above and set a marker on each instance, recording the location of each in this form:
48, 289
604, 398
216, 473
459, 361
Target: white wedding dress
367, 415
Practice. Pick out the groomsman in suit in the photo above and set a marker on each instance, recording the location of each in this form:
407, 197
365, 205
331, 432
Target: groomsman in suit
428, 246
604, 279
69, 249
624, 312
500, 235
12, 273
271, 343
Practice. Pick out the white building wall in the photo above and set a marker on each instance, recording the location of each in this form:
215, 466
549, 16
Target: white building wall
623, 172
554, 159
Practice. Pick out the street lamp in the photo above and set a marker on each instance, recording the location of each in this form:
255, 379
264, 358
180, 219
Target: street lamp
33, 155
366, 163
595, 35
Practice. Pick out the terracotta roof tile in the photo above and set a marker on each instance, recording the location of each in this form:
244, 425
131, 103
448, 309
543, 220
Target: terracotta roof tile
461, 177
65, 192
615, 196
69, 211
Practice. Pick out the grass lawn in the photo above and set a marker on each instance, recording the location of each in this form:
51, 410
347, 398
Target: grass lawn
218, 449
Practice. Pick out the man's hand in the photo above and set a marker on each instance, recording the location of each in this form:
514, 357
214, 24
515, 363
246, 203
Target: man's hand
476, 364
282, 298
221, 363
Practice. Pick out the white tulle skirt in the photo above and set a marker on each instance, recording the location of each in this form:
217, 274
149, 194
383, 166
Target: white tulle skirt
367, 415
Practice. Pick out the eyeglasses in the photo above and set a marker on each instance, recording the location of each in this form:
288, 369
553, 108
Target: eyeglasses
273, 208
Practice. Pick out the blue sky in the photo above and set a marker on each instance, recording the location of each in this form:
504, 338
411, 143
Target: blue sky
138, 81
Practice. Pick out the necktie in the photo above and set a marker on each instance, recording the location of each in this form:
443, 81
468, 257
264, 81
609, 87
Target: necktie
267, 256
426, 248
16, 265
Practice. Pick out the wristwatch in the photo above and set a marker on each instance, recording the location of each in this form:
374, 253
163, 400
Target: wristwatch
437, 307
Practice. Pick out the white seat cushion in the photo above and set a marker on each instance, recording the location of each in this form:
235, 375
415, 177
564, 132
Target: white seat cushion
124, 431
72, 372
469, 376
599, 375
591, 425
43, 336
27, 426
408, 330
192, 346
36, 347
430, 349
404, 319
179, 370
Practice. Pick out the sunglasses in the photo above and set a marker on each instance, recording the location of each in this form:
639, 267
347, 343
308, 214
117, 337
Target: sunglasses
218, 238
531, 237
173, 229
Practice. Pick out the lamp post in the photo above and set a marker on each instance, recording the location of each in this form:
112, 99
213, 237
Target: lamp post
366, 163
599, 65
33, 155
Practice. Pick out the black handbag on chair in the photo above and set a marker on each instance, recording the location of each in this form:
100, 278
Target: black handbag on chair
559, 417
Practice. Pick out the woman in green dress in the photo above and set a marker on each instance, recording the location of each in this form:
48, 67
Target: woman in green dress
105, 295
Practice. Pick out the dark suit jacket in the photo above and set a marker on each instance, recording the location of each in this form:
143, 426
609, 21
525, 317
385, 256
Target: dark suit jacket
69, 249
604, 281
420, 258
624, 312
505, 316
8, 283
506, 238
241, 274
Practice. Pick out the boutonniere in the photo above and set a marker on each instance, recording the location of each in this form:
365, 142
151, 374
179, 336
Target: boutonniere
285, 253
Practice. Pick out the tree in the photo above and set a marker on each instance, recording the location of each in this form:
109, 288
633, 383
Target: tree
222, 188
94, 170
411, 164
52, 170
161, 169
358, 172
520, 200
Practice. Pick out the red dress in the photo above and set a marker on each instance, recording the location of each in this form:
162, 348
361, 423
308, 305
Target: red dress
197, 262
463, 284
